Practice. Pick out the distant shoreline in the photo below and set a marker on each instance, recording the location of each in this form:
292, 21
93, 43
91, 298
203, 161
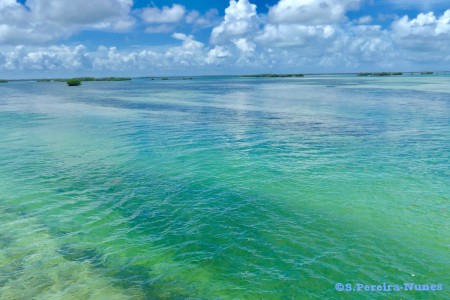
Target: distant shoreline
262, 75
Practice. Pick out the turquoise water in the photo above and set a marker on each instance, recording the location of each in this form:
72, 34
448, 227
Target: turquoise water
224, 188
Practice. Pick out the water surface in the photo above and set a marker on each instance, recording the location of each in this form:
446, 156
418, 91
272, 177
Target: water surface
224, 188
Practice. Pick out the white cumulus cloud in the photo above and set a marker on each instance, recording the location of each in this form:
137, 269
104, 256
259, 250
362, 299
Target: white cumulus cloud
240, 20
290, 35
424, 25
81, 12
217, 54
245, 46
41, 21
424, 39
166, 14
206, 20
52, 58
310, 12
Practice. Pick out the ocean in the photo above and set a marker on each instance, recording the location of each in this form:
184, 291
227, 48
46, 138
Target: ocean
226, 188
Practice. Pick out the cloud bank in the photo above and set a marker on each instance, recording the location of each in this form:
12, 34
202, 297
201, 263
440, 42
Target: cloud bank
300, 35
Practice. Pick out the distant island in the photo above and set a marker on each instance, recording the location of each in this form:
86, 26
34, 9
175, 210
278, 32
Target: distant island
73, 82
3, 81
395, 73
167, 78
86, 79
381, 74
274, 75
105, 79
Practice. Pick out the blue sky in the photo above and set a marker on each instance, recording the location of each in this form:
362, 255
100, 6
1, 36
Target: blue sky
50, 38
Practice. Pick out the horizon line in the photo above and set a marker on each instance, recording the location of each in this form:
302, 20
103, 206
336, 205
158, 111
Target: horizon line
223, 75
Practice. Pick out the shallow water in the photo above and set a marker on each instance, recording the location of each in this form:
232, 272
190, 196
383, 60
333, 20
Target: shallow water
224, 188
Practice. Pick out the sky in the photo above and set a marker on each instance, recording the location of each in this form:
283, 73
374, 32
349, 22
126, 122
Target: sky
66, 38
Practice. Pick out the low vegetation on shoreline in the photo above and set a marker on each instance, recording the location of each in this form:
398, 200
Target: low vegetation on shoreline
381, 74
395, 73
86, 79
265, 75
273, 75
105, 79
167, 78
